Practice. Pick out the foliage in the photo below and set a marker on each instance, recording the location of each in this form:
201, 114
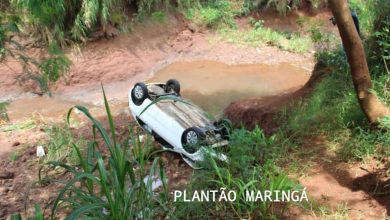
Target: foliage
8, 27
148, 6
37, 216
46, 70
214, 14
251, 167
60, 144
73, 19
159, 16
332, 110
24, 125
64, 21
261, 35
3, 112
111, 186
283, 7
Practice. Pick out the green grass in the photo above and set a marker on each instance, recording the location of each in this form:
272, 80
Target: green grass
3, 112
252, 166
340, 213
214, 15
14, 156
332, 110
261, 36
24, 125
60, 144
159, 16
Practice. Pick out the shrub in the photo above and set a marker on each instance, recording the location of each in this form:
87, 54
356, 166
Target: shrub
283, 7
214, 14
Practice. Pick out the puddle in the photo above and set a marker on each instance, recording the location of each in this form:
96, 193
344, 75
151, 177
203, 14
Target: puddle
209, 84
52, 107
214, 85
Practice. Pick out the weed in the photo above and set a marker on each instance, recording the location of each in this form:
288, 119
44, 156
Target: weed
333, 111
340, 213
37, 216
60, 144
215, 15
3, 113
25, 125
251, 167
14, 156
110, 186
262, 35
159, 16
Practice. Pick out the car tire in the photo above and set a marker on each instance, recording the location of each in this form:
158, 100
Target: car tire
172, 85
139, 93
192, 139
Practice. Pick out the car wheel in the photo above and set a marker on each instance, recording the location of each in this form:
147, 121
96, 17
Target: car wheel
139, 93
173, 85
192, 139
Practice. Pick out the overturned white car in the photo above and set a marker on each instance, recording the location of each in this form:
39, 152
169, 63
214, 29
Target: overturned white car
177, 124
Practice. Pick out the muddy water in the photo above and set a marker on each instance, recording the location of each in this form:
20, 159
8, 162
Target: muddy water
213, 85
42, 105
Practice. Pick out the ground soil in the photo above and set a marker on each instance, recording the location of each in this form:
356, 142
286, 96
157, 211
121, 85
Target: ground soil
119, 63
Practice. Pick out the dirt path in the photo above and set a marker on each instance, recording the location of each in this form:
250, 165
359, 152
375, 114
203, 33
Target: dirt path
351, 190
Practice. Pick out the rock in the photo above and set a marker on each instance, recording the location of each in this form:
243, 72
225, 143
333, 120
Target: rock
3, 190
15, 144
6, 175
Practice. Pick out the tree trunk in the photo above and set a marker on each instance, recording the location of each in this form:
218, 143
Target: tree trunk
369, 102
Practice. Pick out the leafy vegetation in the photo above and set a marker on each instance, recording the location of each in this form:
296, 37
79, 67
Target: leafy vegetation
261, 35
251, 167
108, 178
110, 186
44, 71
60, 144
332, 109
215, 14
283, 7
3, 113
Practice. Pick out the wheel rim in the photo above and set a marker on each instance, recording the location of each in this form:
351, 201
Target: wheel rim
138, 92
192, 137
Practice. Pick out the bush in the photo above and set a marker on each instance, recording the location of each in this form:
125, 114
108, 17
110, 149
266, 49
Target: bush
214, 14
283, 7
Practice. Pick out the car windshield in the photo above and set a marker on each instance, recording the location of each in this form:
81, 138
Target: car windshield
187, 114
